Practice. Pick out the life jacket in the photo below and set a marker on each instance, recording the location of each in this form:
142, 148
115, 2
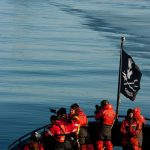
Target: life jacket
106, 115
83, 120
57, 130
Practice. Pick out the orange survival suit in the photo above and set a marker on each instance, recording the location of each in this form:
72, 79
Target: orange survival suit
130, 129
83, 120
57, 131
106, 117
141, 120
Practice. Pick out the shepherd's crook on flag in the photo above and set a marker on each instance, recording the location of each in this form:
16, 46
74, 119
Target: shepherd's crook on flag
130, 77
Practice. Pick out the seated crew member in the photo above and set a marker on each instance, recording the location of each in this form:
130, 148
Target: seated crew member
130, 130
106, 117
57, 132
35, 143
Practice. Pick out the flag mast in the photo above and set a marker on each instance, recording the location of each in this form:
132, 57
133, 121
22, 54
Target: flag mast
119, 77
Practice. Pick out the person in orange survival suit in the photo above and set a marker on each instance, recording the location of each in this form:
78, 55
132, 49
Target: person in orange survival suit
106, 117
75, 121
57, 131
69, 128
83, 120
137, 115
130, 130
83, 132
35, 143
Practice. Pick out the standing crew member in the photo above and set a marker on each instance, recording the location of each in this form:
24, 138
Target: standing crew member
84, 135
75, 121
69, 127
130, 130
81, 115
106, 117
137, 115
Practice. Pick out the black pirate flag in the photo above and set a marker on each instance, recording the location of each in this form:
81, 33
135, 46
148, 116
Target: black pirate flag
130, 77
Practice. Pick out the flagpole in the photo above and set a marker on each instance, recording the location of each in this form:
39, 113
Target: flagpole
119, 77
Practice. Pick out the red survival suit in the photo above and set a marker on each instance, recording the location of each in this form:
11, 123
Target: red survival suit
83, 120
141, 120
74, 128
75, 123
106, 116
130, 130
78, 120
57, 131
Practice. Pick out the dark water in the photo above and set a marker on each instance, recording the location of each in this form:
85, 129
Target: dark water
54, 53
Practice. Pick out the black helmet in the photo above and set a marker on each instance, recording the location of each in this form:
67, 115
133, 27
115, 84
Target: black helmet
104, 102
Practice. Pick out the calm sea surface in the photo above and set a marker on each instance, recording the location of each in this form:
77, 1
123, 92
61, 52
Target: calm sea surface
54, 53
